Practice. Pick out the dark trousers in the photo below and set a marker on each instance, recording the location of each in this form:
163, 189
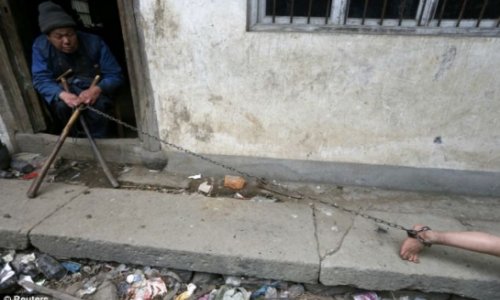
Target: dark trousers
99, 126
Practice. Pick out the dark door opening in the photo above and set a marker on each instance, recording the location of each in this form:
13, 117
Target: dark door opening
92, 16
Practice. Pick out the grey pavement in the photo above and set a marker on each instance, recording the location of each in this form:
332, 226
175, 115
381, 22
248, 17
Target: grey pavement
300, 241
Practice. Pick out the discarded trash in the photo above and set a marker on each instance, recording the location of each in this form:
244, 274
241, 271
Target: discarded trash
9, 256
237, 293
185, 295
88, 288
366, 296
271, 293
146, 289
7, 279
25, 264
197, 176
262, 291
234, 182
30, 176
71, 266
133, 278
233, 281
23, 279
50, 267
6, 174
21, 166
295, 291
205, 188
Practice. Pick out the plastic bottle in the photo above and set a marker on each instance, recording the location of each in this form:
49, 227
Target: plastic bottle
50, 267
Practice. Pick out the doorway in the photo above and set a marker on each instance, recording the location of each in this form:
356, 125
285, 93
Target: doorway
97, 17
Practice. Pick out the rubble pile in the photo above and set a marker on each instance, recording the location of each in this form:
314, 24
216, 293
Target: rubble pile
39, 273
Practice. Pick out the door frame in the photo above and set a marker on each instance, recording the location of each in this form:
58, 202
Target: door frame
21, 100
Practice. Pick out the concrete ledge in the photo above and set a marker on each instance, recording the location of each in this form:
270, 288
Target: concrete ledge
114, 150
369, 259
478, 183
349, 174
19, 214
226, 236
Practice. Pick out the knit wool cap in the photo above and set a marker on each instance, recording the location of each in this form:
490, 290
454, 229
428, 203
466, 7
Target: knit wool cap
52, 16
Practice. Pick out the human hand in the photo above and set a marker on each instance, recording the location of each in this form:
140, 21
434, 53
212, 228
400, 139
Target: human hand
70, 99
90, 95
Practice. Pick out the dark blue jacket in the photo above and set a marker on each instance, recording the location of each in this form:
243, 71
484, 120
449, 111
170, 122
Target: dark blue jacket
93, 54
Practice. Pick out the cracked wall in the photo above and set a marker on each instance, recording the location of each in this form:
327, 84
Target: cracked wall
375, 99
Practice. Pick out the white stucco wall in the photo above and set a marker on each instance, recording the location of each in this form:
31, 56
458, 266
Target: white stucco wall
373, 99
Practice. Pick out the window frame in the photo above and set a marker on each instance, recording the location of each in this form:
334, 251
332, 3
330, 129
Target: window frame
338, 22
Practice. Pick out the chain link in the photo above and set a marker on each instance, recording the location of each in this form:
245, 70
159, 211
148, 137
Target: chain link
248, 175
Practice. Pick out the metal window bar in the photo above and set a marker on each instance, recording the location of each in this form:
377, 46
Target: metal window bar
291, 11
328, 8
481, 14
274, 11
441, 13
462, 10
365, 9
419, 23
309, 12
348, 4
384, 8
402, 7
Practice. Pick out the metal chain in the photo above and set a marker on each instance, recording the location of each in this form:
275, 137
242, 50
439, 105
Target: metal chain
248, 175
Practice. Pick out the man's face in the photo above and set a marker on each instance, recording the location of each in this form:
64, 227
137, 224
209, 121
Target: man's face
64, 39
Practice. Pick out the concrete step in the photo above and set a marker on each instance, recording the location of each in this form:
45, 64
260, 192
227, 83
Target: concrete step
295, 241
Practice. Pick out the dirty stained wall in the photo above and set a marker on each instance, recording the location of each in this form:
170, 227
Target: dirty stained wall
375, 99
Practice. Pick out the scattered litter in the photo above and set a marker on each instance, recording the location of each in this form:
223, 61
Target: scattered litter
71, 266
25, 264
88, 288
296, 291
133, 278
9, 256
125, 169
234, 182
21, 165
233, 281
205, 188
239, 196
6, 174
23, 279
6, 273
30, 176
153, 171
366, 296
237, 293
147, 289
262, 291
50, 267
7, 279
185, 295
197, 176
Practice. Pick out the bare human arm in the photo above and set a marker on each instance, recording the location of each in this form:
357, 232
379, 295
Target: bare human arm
469, 240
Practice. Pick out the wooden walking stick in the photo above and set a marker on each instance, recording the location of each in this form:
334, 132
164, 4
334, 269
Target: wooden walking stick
35, 186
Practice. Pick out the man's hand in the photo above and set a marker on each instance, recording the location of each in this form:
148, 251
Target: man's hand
70, 99
90, 95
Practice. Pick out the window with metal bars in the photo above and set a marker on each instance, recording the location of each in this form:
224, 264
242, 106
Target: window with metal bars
470, 17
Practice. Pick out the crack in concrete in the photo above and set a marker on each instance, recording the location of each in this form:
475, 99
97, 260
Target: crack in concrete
331, 252
28, 232
315, 223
